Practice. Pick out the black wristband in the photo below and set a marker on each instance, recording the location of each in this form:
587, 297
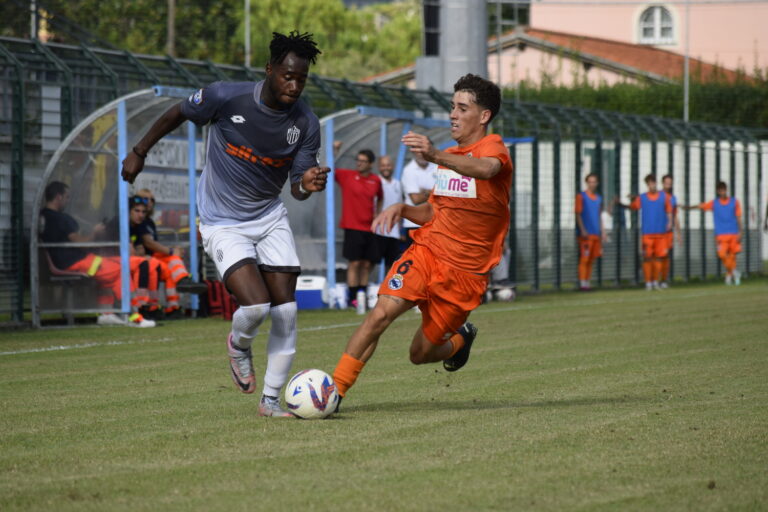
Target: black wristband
136, 152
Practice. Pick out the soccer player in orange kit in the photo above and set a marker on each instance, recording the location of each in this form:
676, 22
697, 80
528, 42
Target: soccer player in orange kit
591, 235
444, 272
672, 233
727, 213
656, 220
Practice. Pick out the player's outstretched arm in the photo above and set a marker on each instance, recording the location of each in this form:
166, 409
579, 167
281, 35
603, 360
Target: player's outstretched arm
134, 161
617, 201
314, 179
483, 168
391, 215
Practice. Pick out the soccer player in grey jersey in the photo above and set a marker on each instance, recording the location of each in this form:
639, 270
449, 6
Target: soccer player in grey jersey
260, 136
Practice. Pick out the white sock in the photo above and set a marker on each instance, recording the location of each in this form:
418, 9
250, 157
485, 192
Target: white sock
281, 347
245, 324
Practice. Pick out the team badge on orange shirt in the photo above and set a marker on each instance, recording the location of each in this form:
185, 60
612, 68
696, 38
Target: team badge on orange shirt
396, 282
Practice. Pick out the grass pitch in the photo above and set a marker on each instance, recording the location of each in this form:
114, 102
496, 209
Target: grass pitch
616, 400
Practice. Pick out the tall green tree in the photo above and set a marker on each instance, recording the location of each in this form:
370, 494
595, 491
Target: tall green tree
355, 42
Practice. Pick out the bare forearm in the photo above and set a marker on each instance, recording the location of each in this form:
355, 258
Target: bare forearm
580, 224
297, 193
480, 168
155, 246
169, 121
420, 214
419, 197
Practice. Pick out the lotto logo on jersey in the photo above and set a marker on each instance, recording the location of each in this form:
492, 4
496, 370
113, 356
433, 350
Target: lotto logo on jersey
197, 98
452, 184
293, 134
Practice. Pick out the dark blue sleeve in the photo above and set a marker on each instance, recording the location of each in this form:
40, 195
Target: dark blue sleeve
307, 155
203, 105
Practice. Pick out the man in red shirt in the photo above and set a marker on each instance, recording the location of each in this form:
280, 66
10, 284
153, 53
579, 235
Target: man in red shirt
361, 197
445, 271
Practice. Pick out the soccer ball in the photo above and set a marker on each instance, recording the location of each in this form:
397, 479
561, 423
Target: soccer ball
504, 294
311, 394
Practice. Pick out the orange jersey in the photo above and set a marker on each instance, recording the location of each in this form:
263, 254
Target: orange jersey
470, 216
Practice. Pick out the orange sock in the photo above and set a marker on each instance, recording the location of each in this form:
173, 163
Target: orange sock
648, 270
657, 268
457, 340
346, 372
585, 269
729, 261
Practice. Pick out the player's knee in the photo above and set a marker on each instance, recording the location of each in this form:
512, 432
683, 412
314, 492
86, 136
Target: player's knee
247, 319
418, 354
284, 318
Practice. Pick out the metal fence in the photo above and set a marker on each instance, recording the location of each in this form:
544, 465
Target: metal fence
46, 89
567, 144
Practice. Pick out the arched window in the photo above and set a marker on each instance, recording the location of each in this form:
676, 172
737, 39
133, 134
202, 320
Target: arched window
656, 26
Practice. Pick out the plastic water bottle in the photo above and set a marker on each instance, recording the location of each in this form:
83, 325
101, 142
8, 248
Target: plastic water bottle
361, 300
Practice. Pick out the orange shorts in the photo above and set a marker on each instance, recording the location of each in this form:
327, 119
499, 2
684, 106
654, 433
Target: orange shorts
590, 247
669, 238
444, 294
655, 246
727, 244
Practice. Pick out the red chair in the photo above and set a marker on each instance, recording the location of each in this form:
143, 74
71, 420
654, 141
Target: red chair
220, 302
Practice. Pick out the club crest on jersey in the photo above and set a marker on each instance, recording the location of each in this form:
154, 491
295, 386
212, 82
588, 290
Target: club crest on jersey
293, 134
395, 282
197, 98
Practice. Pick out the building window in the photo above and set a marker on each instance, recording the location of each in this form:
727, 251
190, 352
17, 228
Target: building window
656, 26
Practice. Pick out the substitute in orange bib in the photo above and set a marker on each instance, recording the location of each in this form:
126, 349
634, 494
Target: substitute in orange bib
173, 272
591, 235
673, 232
656, 220
463, 224
727, 213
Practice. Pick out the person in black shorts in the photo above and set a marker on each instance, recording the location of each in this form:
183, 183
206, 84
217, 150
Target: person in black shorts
361, 198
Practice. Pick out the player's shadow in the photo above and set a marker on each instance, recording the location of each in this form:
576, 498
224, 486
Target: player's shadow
477, 404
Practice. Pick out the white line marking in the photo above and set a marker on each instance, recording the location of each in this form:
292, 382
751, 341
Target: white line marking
505, 309
57, 348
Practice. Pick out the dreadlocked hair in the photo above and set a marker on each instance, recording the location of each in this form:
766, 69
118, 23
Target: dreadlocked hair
301, 44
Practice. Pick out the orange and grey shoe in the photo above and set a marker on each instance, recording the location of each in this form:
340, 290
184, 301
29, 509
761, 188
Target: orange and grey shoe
241, 367
468, 331
270, 406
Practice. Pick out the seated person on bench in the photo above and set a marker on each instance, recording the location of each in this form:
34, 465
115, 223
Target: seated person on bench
59, 227
173, 272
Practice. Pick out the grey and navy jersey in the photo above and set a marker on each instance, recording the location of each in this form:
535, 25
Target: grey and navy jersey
252, 150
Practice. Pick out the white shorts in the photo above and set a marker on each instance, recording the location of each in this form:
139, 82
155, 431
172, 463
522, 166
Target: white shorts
266, 242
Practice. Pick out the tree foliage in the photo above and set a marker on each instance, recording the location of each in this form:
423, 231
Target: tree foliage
744, 103
355, 42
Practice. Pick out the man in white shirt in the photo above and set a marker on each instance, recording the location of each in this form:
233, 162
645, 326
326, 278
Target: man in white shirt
389, 243
418, 179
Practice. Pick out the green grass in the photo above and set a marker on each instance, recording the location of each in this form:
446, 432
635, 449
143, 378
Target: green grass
613, 400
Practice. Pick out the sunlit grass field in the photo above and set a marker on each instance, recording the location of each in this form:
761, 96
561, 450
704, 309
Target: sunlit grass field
611, 400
